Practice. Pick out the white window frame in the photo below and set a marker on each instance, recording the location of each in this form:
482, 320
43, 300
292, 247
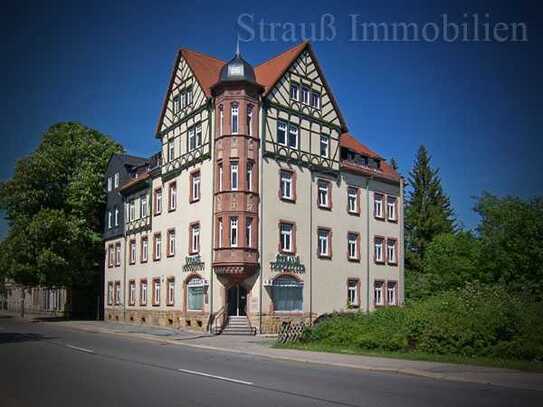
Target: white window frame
249, 232
171, 242
379, 249
157, 251
286, 234
378, 205
378, 294
352, 293
143, 206
171, 150
198, 135
170, 300
293, 131
317, 97
158, 201
352, 200
221, 175
294, 91
196, 182
234, 118
221, 120
391, 251
234, 175
131, 292
109, 184
352, 246
305, 95
282, 128
195, 238
131, 210
117, 296
391, 208
324, 242
143, 292
391, 293
286, 185
109, 223
132, 251
117, 255
144, 249
323, 189
191, 139
116, 217
324, 142
250, 120
176, 102
116, 180
234, 235
221, 231
172, 196
156, 291
250, 167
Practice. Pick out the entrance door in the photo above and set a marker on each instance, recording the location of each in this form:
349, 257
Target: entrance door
237, 300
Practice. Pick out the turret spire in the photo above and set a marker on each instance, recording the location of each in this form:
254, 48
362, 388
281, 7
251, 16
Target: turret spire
237, 47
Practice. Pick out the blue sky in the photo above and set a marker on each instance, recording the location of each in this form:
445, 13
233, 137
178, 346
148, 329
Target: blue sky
475, 105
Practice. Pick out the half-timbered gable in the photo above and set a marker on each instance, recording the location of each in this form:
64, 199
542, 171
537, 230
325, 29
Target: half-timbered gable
303, 121
184, 126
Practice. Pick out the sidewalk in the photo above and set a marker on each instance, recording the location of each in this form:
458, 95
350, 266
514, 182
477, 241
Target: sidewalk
261, 346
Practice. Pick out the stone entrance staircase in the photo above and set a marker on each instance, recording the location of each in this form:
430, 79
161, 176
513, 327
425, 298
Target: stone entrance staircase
238, 325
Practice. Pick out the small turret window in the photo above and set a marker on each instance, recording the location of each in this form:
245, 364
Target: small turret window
235, 118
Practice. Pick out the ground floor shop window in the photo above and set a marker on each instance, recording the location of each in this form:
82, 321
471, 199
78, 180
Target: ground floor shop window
195, 294
287, 294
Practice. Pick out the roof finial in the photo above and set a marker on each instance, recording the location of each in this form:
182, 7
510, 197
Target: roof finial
237, 46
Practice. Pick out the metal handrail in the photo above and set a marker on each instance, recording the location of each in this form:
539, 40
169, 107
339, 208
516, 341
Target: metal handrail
216, 328
253, 329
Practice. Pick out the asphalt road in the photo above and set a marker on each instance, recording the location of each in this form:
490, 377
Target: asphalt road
43, 364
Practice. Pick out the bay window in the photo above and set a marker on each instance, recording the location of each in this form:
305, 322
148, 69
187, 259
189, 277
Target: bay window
234, 231
234, 179
249, 175
234, 123
249, 232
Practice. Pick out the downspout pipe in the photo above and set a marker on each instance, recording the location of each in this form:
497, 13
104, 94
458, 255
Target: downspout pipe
368, 248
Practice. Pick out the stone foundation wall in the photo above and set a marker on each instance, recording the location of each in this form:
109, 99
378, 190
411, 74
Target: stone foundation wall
170, 319
271, 323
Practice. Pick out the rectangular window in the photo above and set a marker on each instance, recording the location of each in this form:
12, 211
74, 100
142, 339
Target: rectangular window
249, 232
116, 216
353, 249
110, 255
220, 176
250, 120
294, 91
287, 294
131, 210
156, 291
378, 297
171, 150
109, 216
172, 196
378, 252
305, 95
157, 247
117, 292
132, 251
292, 136
234, 175
198, 135
176, 104
171, 242
116, 180
220, 233
221, 120
143, 292
144, 249
191, 139
352, 293
324, 243
234, 231
352, 200
234, 119
143, 206
171, 291
391, 209
286, 231
183, 99
117, 254
282, 133
315, 100
110, 293
323, 191
131, 292
286, 186
391, 251
195, 294
249, 180
158, 201
378, 205
195, 186
189, 95
109, 184
195, 238
325, 146
391, 293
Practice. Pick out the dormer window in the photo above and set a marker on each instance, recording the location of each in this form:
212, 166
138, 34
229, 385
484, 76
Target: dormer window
234, 119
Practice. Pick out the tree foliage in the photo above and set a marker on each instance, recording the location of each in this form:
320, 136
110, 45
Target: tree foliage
511, 235
428, 210
54, 205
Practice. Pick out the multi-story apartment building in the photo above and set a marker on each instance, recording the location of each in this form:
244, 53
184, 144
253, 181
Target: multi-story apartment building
262, 205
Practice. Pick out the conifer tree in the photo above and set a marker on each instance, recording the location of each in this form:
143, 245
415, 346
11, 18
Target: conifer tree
428, 210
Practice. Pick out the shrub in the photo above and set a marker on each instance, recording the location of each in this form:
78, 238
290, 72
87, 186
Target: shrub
472, 321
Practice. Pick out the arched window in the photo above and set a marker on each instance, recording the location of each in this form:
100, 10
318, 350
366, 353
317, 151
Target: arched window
287, 294
234, 118
195, 294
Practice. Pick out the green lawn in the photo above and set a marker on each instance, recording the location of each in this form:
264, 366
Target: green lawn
535, 366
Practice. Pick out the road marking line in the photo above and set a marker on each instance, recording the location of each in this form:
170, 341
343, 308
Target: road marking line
228, 379
80, 349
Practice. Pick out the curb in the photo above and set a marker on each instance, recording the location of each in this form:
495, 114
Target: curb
403, 371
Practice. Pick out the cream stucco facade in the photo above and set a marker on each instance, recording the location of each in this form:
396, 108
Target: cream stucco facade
261, 205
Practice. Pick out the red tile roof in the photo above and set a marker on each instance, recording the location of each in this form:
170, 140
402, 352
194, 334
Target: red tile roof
205, 68
348, 141
269, 72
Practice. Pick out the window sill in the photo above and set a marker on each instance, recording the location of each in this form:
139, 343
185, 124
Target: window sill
392, 264
353, 213
143, 261
170, 255
392, 220
380, 262
191, 253
379, 218
354, 259
287, 200
325, 257
191, 201
326, 208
